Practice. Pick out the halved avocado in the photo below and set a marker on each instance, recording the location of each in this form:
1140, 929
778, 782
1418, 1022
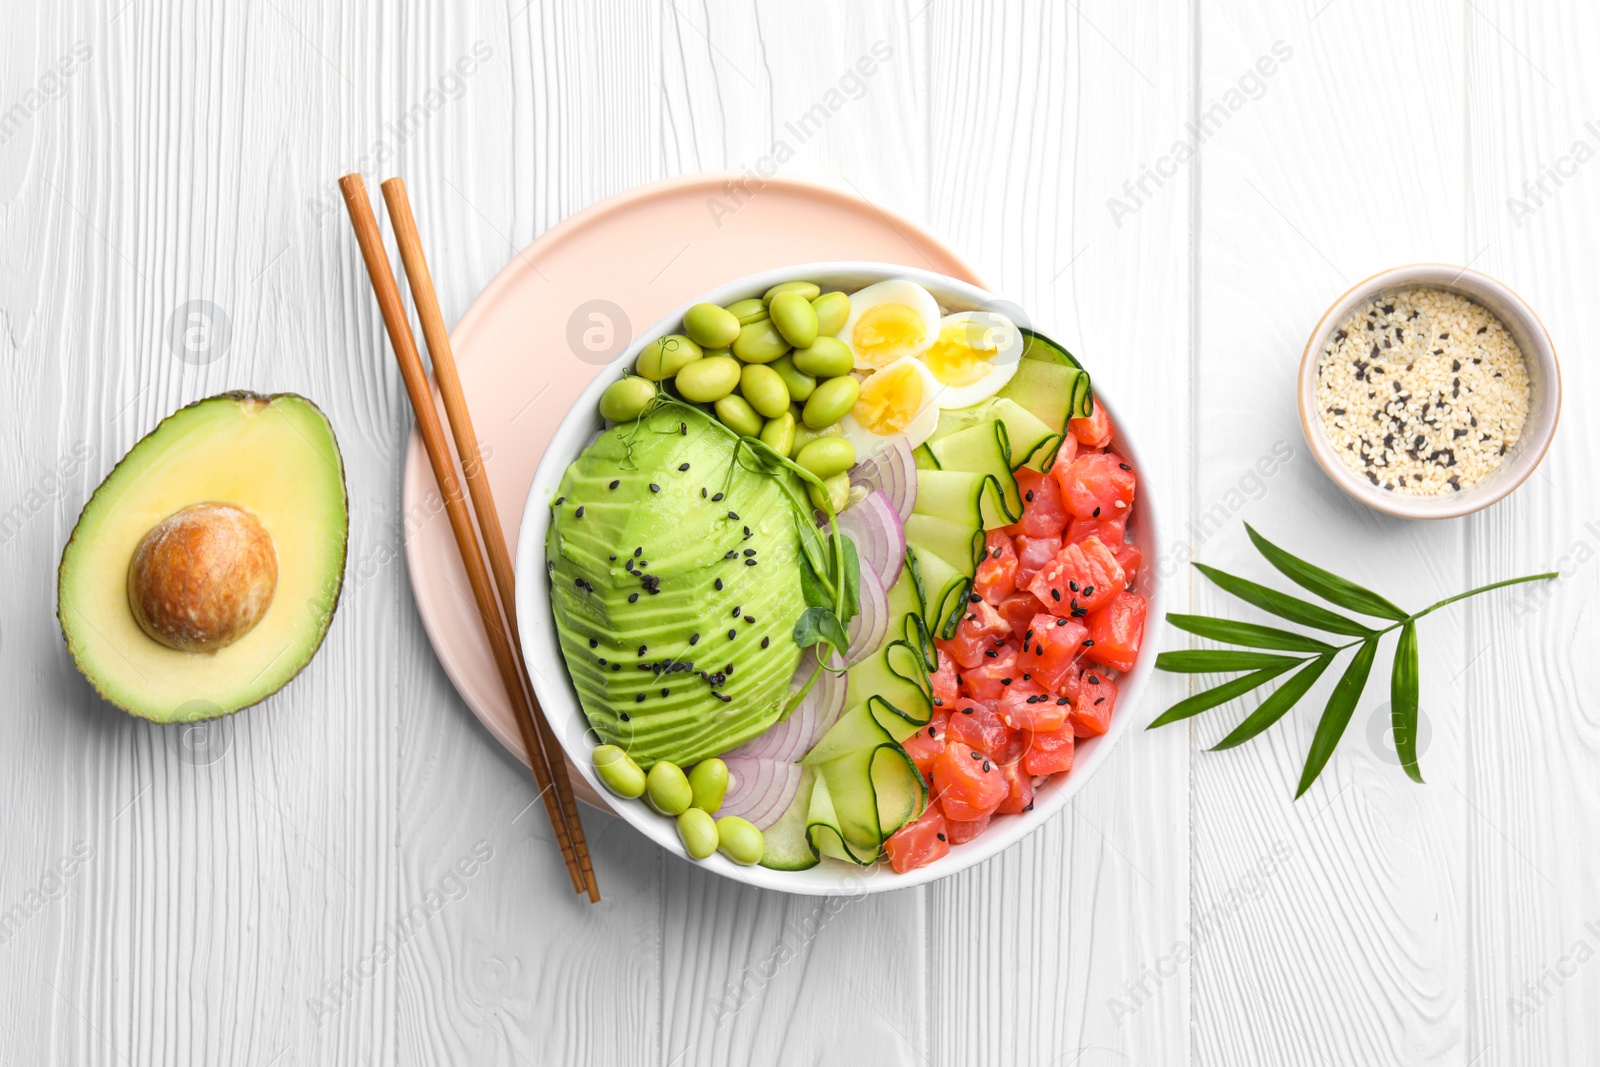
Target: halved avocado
204, 571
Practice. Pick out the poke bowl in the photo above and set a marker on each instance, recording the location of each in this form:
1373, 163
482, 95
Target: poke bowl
848, 554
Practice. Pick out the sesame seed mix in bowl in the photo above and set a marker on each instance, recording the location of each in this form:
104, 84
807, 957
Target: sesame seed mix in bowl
1422, 392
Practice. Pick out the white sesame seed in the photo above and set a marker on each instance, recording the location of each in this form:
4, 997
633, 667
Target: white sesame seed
1422, 392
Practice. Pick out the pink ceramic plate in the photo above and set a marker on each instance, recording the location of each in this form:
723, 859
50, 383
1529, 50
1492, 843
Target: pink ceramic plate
566, 306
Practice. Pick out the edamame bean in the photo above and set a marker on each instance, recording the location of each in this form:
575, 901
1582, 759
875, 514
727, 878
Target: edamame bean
748, 311
666, 789
740, 841
710, 326
626, 400
737, 415
709, 782
800, 385
666, 356
809, 290
708, 380
832, 309
779, 433
759, 342
804, 435
827, 456
618, 771
698, 832
794, 318
835, 491
832, 401
826, 357
764, 389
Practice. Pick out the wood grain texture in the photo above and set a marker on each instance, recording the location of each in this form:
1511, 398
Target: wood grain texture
353, 873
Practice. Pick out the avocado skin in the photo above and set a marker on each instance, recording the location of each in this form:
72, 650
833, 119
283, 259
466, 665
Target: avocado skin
238, 396
685, 538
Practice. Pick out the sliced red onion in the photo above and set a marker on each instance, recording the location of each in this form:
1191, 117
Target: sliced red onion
792, 738
759, 789
894, 472
871, 625
879, 536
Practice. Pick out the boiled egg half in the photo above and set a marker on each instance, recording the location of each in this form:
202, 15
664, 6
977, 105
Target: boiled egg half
888, 321
975, 355
897, 403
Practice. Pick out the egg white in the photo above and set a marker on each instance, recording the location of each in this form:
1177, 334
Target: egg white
989, 329
915, 432
895, 291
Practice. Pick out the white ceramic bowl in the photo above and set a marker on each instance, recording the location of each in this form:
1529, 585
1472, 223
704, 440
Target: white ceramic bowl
560, 701
1544, 375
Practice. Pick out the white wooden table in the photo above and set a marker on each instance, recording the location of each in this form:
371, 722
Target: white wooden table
284, 896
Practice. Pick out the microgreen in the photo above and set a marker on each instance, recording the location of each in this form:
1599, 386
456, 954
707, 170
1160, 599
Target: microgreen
1276, 652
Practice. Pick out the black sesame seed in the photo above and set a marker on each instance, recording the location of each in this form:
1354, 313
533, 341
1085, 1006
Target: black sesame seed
654, 488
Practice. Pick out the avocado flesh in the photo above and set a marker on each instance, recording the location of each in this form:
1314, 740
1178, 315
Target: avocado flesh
274, 456
685, 538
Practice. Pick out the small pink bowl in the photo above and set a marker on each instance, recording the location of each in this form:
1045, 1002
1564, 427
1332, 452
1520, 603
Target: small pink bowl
1544, 375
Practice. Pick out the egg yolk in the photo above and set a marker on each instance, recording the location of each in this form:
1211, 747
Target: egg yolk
889, 401
884, 332
962, 355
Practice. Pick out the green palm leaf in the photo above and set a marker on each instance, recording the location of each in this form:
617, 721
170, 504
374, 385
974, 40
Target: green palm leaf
1223, 693
1283, 605
1336, 716
1220, 661
1403, 686
1327, 585
1273, 708
1248, 634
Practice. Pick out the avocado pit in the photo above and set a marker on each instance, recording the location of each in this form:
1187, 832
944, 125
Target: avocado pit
202, 577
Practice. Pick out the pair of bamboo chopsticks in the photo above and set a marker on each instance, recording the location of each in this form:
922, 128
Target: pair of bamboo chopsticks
544, 752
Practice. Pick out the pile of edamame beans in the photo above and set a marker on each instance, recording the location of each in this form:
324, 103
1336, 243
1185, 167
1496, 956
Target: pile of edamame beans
692, 799
770, 368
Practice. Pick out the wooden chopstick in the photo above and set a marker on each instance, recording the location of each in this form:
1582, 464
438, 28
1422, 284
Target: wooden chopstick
365, 224
437, 338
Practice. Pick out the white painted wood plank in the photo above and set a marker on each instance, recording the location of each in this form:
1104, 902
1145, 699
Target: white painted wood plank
1328, 929
1038, 114
1527, 792
751, 977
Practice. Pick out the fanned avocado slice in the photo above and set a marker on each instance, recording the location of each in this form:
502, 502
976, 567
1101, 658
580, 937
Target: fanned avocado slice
204, 571
670, 562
